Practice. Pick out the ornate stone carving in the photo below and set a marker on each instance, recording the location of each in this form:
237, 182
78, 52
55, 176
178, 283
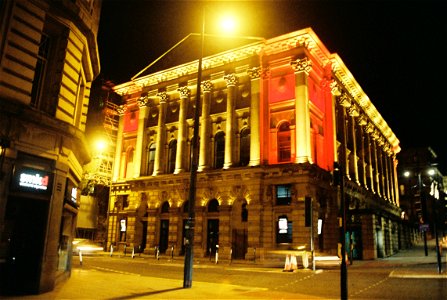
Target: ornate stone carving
121, 109
207, 86
302, 65
143, 101
184, 92
353, 111
163, 96
254, 73
361, 121
344, 100
335, 88
231, 79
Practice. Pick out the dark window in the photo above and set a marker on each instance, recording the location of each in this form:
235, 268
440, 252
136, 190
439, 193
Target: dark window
39, 73
283, 194
244, 148
150, 159
307, 211
165, 207
213, 206
171, 156
186, 207
219, 150
284, 230
284, 143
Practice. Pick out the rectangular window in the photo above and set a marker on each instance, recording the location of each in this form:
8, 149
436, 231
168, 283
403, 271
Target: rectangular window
307, 211
284, 230
283, 194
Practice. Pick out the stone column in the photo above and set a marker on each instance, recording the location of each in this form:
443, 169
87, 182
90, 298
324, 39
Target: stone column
368, 130
205, 127
255, 139
160, 142
119, 143
336, 92
231, 80
376, 165
142, 117
182, 130
345, 104
381, 169
396, 186
353, 113
362, 122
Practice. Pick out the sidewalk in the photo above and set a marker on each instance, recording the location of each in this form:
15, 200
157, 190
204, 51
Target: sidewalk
98, 284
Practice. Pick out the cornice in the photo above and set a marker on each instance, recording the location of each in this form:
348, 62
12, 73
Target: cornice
347, 80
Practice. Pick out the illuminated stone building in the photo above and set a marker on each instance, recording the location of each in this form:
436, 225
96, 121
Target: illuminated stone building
275, 116
49, 58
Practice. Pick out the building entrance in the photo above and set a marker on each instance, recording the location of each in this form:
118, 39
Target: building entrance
164, 236
212, 236
239, 243
25, 229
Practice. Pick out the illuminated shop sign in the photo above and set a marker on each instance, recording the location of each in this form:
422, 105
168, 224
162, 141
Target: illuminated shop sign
33, 180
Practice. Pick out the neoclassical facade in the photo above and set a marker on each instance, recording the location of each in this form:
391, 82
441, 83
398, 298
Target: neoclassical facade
48, 60
275, 116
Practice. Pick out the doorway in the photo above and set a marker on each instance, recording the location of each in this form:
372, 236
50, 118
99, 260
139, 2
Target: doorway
212, 236
164, 236
25, 229
239, 244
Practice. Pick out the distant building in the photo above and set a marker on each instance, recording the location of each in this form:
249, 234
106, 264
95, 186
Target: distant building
275, 116
49, 58
422, 194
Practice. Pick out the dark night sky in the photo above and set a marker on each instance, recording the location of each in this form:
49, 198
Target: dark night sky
396, 50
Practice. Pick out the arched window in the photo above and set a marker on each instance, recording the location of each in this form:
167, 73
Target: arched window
150, 159
284, 143
165, 207
172, 152
244, 154
213, 206
219, 150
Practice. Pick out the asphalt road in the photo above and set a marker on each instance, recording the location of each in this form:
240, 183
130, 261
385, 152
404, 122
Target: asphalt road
368, 282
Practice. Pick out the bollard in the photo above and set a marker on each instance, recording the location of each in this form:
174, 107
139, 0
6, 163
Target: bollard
231, 255
158, 253
80, 257
155, 252
217, 254
172, 252
111, 250
133, 252
125, 247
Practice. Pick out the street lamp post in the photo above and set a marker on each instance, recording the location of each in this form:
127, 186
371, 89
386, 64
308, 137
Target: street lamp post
424, 212
189, 245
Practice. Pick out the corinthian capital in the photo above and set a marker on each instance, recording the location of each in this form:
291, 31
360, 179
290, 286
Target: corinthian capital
184, 92
207, 86
121, 109
231, 79
353, 111
143, 101
344, 101
163, 97
254, 72
302, 65
335, 88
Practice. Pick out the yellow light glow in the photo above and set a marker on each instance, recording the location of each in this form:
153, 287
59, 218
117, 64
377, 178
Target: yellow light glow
228, 24
100, 145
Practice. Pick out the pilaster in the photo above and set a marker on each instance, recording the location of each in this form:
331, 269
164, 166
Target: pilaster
119, 143
302, 69
142, 117
255, 146
160, 142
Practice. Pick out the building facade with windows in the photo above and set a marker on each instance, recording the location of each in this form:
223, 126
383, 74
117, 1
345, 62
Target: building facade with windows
48, 60
275, 116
